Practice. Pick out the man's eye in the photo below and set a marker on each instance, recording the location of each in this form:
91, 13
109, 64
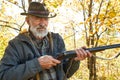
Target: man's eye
36, 17
46, 18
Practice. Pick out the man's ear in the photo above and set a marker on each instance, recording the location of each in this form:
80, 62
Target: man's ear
27, 20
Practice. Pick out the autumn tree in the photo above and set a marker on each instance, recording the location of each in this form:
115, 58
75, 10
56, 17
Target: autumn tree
86, 22
100, 18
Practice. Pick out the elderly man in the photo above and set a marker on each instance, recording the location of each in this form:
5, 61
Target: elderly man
31, 55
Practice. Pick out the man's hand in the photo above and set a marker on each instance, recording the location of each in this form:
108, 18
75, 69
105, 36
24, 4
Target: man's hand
82, 54
47, 61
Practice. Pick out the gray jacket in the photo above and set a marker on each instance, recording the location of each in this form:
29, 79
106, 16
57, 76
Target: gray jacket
20, 59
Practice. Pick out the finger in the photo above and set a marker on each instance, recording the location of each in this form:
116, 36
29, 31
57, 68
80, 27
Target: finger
82, 54
85, 54
88, 53
79, 54
83, 47
49, 66
54, 64
54, 60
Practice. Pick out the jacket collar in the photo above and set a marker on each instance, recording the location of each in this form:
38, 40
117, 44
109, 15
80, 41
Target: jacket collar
24, 37
27, 37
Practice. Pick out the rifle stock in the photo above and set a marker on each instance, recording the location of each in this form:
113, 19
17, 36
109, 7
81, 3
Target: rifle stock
72, 53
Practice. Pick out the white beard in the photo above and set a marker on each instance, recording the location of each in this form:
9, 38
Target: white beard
37, 33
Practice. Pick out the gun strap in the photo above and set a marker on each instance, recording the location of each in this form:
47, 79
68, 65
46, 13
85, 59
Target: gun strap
115, 56
51, 47
50, 41
38, 76
50, 38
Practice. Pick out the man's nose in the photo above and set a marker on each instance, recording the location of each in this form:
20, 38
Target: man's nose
41, 25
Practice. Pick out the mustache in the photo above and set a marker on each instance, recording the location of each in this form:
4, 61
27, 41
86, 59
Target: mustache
42, 26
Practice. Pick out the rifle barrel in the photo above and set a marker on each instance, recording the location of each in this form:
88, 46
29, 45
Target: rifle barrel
72, 53
101, 48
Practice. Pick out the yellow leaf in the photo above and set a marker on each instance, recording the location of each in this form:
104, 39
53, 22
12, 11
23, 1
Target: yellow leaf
112, 14
101, 17
81, 23
23, 30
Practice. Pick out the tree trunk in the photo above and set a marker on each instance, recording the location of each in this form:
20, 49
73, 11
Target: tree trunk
92, 60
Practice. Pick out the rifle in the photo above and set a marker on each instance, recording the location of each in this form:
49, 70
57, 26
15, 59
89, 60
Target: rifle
72, 53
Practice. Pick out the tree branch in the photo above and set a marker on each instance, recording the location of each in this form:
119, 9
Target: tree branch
86, 34
9, 22
23, 5
99, 11
22, 25
10, 27
14, 4
98, 36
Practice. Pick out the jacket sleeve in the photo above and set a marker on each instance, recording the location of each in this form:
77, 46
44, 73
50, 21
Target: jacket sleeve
67, 63
12, 69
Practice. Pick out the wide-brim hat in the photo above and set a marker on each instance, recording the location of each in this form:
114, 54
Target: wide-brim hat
39, 9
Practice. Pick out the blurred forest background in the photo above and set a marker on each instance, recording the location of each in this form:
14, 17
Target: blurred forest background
88, 23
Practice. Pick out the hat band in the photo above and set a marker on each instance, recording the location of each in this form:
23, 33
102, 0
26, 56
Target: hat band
39, 12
